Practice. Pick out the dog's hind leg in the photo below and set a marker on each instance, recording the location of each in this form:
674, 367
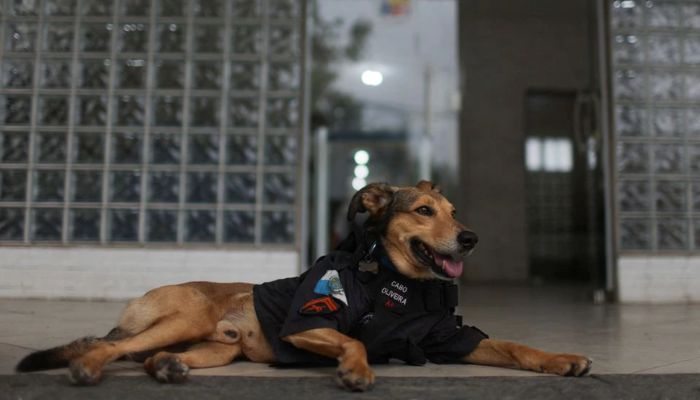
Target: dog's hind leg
173, 367
499, 353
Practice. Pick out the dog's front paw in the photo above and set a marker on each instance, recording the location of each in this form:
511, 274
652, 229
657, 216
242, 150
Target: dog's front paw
167, 369
567, 365
358, 377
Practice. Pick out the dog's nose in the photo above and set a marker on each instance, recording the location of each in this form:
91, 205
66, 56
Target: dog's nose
467, 239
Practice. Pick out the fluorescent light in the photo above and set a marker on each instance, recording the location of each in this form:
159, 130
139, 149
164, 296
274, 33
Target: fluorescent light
358, 183
372, 78
361, 157
533, 154
361, 171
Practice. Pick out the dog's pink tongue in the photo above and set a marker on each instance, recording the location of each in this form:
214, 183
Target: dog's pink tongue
451, 267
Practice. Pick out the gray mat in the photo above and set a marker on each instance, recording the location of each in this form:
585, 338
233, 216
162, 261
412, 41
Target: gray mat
677, 386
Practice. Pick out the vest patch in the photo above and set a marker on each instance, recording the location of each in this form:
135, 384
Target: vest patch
321, 305
329, 284
397, 294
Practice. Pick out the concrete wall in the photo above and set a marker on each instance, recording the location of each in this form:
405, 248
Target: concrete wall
507, 47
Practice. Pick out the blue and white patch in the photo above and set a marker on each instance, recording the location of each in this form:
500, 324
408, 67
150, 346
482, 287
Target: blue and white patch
329, 284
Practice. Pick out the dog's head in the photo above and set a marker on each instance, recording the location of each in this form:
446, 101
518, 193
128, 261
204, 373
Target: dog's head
418, 228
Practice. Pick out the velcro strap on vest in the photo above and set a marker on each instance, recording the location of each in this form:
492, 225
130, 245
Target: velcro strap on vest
440, 297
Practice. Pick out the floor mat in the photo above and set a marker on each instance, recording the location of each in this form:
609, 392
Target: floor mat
676, 386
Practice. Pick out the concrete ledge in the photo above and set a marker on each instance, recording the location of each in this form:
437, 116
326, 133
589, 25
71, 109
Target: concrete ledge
109, 273
659, 279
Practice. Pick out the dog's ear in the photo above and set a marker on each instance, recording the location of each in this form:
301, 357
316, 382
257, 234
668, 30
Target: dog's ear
373, 198
427, 186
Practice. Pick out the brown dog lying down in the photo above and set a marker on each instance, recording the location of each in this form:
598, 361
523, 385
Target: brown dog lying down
387, 293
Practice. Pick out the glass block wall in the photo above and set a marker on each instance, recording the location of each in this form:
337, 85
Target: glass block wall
150, 121
656, 88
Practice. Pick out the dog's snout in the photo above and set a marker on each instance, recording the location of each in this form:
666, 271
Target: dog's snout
467, 239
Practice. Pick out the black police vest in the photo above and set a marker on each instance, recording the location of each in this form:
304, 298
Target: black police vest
404, 312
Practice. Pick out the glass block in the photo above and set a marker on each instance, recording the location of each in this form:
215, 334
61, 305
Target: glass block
130, 110
171, 38
87, 186
123, 225
283, 40
280, 150
205, 111
11, 223
58, 37
283, 9
695, 196
92, 110
60, 7
694, 158
56, 74
131, 74
208, 38
240, 188
47, 223
48, 185
665, 85
632, 158
13, 185
630, 121
88, 148
244, 112
170, 74
165, 148
245, 76
18, 74
635, 234
284, 76
663, 14
126, 148
201, 187
693, 122
203, 149
97, 8
134, 37
668, 121
697, 234
172, 8
137, 8
168, 111
282, 112
672, 234
278, 188
278, 227
161, 225
246, 8
126, 186
691, 49
21, 37
239, 226
242, 149
201, 226
246, 39
14, 146
164, 187
670, 196
96, 37
209, 8
84, 224
207, 75
692, 84
24, 8
669, 159
53, 110
17, 109
634, 196
664, 49
94, 74
50, 147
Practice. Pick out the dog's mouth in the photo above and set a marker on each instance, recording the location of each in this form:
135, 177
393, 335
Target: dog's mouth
443, 266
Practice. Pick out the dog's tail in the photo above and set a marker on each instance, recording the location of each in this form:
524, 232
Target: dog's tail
61, 356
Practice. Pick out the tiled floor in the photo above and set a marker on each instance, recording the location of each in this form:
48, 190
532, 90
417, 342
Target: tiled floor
620, 339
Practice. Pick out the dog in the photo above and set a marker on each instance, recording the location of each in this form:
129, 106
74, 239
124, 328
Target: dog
341, 310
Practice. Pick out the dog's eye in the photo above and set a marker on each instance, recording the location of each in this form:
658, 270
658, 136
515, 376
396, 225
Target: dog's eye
425, 210
454, 213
